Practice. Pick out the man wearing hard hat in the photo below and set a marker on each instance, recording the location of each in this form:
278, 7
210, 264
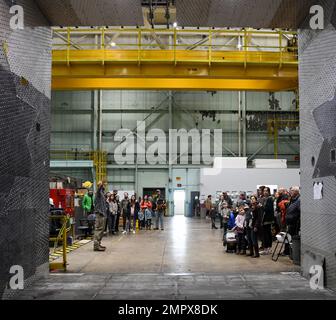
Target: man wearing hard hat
88, 202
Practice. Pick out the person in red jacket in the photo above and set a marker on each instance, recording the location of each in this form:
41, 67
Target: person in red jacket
146, 207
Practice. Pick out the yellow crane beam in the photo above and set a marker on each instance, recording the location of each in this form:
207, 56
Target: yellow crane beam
77, 83
174, 70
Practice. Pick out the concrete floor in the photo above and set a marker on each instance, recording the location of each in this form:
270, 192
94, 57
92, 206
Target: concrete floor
185, 261
187, 245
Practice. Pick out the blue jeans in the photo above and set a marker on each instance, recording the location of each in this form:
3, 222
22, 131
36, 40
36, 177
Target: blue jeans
159, 219
254, 237
111, 221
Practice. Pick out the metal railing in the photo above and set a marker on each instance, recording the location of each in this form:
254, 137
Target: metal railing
99, 159
213, 45
275, 125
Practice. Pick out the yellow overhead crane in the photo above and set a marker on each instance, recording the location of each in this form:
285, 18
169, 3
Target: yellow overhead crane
235, 63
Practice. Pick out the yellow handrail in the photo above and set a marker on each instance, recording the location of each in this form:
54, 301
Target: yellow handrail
140, 32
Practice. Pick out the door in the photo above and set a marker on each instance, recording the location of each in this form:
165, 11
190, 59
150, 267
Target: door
193, 195
179, 202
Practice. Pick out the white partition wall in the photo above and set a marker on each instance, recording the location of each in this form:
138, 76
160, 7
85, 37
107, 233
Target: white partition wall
213, 180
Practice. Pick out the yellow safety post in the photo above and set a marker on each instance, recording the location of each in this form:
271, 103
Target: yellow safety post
61, 236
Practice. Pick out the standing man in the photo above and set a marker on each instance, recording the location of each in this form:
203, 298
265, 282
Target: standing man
211, 212
100, 211
293, 215
227, 199
126, 213
88, 202
160, 207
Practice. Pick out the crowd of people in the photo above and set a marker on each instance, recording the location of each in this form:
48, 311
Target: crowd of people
107, 209
254, 219
257, 218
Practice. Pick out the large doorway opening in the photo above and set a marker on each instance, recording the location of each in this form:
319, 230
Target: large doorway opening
179, 202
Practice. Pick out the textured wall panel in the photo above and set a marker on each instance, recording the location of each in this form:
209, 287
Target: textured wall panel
25, 72
92, 12
318, 136
245, 13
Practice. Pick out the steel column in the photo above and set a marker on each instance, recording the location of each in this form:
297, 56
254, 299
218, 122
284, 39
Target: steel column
244, 105
170, 163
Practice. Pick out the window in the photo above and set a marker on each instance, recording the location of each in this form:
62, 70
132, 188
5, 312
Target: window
333, 156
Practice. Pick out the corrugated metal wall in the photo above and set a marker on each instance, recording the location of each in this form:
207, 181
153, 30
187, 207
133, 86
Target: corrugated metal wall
72, 114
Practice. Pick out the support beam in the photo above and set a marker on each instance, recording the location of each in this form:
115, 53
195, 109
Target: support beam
239, 121
76, 83
170, 163
100, 120
244, 122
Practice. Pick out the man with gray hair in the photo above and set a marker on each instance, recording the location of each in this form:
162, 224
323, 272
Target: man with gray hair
293, 214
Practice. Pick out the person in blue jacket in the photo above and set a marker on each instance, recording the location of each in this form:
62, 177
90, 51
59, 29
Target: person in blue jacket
230, 225
232, 221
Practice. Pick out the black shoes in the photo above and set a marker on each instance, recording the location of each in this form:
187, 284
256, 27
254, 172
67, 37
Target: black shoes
99, 249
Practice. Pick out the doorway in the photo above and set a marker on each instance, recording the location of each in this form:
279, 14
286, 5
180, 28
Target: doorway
179, 202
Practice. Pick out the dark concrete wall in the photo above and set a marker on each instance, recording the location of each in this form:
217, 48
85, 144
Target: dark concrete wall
318, 137
25, 77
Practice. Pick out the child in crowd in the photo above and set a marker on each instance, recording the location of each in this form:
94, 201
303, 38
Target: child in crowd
231, 224
148, 218
141, 218
225, 212
240, 231
231, 221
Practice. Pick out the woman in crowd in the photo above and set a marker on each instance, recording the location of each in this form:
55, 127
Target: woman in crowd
107, 195
113, 206
248, 227
135, 207
267, 221
146, 207
255, 226
220, 208
118, 214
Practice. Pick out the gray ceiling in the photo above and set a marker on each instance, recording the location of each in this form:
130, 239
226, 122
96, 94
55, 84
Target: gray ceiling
243, 13
202, 13
92, 12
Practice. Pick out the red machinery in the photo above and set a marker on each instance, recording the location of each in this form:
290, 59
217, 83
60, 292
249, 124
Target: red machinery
65, 199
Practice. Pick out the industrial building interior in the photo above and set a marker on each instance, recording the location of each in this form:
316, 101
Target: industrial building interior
177, 100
